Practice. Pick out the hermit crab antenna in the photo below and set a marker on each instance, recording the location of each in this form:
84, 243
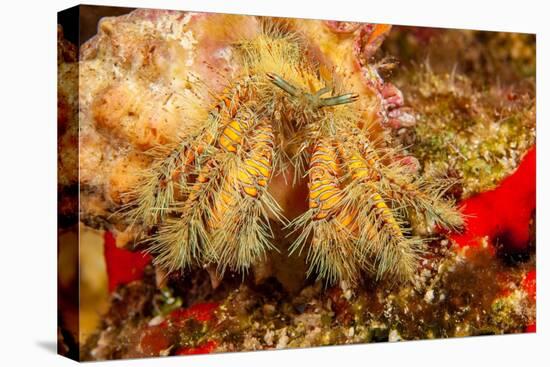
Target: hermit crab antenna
283, 84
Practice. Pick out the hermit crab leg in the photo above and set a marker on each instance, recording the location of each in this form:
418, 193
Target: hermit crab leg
179, 241
241, 230
328, 224
425, 197
181, 188
160, 185
406, 189
382, 235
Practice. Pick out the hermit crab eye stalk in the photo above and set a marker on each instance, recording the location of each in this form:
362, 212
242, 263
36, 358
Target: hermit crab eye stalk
315, 99
283, 84
338, 100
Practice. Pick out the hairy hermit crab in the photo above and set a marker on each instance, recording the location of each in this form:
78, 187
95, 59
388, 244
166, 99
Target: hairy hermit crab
225, 123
